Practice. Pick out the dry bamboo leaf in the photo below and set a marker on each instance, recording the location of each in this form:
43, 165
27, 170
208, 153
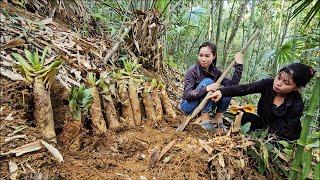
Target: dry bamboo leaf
13, 169
166, 149
7, 139
205, 146
13, 43
9, 117
54, 151
18, 129
34, 146
7, 60
11, 75
221, 160
28, 166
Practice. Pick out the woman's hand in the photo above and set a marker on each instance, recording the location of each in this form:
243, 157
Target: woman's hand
216, 96
212, 87
238, 58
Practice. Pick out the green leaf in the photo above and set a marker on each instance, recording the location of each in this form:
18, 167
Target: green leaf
36, 60
284, 143
91, 79
288, 152
43, 56
315, 135
245, 128
265, 154
29, 56
80, 100
22, 61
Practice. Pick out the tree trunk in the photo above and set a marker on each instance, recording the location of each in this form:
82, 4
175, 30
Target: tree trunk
227, 29
211, 27
247, 61
98, 122
257, 58
274, 63
219, 22
233, 31
43, 113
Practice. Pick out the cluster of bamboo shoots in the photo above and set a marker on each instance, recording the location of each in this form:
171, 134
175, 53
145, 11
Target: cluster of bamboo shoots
155, 101
154, 97
96, 99
161, 104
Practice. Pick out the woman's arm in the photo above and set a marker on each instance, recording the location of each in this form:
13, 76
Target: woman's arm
237, 72
245, 89
241, 90
238, 68
190, 92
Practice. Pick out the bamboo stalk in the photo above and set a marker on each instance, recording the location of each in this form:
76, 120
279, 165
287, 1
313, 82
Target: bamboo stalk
225, 72
314, 104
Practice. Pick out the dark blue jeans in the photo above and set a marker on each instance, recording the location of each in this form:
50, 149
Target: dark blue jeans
222, 105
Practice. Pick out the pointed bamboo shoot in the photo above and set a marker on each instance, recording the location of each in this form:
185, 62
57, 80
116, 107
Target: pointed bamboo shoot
135, 102
167, 104
126, 109
43, 113
158, 106
98, 122
110, 112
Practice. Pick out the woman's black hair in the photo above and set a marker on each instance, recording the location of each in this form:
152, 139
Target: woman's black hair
213, 48
301, 73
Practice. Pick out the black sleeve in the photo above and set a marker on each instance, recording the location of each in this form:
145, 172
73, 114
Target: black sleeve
235, 78
245, 89
189, 92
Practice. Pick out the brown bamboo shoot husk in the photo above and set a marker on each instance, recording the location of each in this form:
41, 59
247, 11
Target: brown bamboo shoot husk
135, 103
126, 109
149, 107
158, 106
43, 113
167, 106
110, 112
70, 131
98, 122
235, 126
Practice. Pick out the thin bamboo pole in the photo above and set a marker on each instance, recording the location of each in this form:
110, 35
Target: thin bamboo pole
314, 104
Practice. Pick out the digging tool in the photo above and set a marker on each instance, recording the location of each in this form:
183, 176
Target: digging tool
225, 72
